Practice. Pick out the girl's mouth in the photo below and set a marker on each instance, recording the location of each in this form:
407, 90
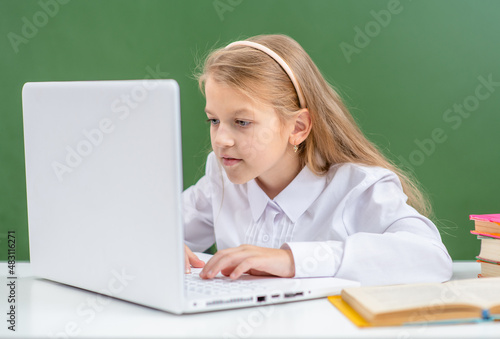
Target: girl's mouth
230, 161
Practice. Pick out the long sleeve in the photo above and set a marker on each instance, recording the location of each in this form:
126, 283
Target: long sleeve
198, 211
387, 241
352, 223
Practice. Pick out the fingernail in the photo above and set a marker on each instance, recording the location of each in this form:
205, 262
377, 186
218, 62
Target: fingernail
188, 270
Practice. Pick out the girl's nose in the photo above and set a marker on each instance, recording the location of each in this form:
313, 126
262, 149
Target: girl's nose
223, 137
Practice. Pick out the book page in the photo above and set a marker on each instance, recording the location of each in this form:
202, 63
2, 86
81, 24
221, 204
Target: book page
483, 293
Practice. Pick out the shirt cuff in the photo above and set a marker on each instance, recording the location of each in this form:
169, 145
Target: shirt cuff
316, 259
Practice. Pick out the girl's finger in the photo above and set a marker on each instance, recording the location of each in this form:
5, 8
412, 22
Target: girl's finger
221, 261
187, 266
195, 261
243, 267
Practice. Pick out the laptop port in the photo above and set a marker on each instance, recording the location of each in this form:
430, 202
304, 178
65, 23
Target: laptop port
261, 298
274, 296
291, 295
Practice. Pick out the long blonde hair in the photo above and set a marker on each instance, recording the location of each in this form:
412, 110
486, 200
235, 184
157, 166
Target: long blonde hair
335, 137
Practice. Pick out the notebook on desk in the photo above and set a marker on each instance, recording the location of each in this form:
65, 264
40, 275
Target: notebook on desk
104, 184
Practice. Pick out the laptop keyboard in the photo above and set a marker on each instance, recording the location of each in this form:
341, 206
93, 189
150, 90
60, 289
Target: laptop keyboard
217, 286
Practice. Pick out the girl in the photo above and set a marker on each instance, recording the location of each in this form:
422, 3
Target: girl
292, 187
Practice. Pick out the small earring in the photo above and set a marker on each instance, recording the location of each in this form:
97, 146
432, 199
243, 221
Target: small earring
295, 148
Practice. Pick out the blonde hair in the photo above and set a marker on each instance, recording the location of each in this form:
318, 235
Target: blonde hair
335, 137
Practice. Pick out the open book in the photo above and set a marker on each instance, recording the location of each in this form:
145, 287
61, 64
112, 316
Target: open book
460, 300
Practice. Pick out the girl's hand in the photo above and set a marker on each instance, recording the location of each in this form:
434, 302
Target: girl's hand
233, 262
191, 259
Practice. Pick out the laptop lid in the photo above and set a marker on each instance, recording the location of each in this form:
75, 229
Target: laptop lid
104, 181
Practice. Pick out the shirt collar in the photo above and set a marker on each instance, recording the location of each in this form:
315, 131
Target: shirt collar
294, 200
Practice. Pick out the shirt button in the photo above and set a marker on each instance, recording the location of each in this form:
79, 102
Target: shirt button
265, 238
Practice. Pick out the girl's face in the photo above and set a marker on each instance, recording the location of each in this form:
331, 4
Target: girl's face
248, 138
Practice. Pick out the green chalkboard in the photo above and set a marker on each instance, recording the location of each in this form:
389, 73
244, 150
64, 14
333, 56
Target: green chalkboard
421, 77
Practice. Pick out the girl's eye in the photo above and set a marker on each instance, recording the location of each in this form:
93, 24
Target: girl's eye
242, 123
213, 122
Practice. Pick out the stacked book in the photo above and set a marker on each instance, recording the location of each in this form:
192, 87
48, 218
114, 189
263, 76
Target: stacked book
487, 229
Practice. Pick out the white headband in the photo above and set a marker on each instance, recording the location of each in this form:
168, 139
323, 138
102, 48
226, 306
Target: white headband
279, 60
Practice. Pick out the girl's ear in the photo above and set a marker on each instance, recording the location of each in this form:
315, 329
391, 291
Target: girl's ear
303, 124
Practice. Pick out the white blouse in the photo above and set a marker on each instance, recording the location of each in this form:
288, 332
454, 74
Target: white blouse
353, 223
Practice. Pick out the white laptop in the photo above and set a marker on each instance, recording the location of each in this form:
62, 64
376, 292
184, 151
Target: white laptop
104, 184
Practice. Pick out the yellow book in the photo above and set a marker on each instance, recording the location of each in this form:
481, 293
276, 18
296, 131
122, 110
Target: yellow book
348, 311
456, 301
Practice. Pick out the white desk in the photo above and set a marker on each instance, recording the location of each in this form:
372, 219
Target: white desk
51, 310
